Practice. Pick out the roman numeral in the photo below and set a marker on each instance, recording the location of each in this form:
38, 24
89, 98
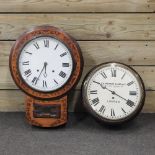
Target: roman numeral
112, 112
123, 76
34, 80
133, 93
36, 45
102, 109
56, 47
25, 63
104, 75
93, 92
55, 81
95, 101
65, 64
130, 103
46, 43
28, 53
130, 83
96, 82
62, 74
44, 83
113, 72
123, 110
63, 54
28, 72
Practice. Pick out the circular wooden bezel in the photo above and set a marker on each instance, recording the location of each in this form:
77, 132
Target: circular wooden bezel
56, 33
99, 117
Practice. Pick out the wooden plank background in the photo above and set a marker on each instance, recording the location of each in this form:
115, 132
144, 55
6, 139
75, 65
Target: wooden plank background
77, 6
106, 30
84, 26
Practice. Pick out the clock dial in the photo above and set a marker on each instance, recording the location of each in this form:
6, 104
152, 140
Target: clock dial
45, 64
113, 91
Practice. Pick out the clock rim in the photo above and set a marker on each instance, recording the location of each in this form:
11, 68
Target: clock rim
99, 117
73, 65
67, 40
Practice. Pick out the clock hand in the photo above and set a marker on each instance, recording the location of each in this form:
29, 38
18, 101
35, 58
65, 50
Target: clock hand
128, 102
119, 96
113, 92
104, 87
40, 73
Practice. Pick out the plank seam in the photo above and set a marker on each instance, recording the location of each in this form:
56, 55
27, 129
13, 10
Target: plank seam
77, 12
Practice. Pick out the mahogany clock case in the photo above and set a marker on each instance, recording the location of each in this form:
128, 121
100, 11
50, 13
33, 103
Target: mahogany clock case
46, 31
46, 109
104, 120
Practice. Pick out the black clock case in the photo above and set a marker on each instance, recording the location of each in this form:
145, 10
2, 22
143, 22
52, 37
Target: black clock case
108, 121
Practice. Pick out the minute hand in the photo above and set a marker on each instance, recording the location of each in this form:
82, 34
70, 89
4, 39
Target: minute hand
104, 87
119, 96
40, 73
113, 92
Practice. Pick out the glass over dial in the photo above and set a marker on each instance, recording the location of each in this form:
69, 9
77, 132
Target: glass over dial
113, 91
45, 64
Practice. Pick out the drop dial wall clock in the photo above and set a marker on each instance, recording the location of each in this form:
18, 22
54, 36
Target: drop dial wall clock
46, 64
113, 93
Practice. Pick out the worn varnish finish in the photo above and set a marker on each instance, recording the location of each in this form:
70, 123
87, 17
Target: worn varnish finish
120, 30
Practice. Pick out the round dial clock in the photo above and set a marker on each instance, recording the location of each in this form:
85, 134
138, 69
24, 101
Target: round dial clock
46, 63
54, 68
113, 93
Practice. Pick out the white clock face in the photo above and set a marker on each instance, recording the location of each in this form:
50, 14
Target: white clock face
113, 91
45, 64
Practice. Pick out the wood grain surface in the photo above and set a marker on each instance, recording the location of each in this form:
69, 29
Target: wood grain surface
84, 26
77, 6
107, 30
129, 52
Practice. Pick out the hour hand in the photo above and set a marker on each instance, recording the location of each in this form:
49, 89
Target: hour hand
45, 64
